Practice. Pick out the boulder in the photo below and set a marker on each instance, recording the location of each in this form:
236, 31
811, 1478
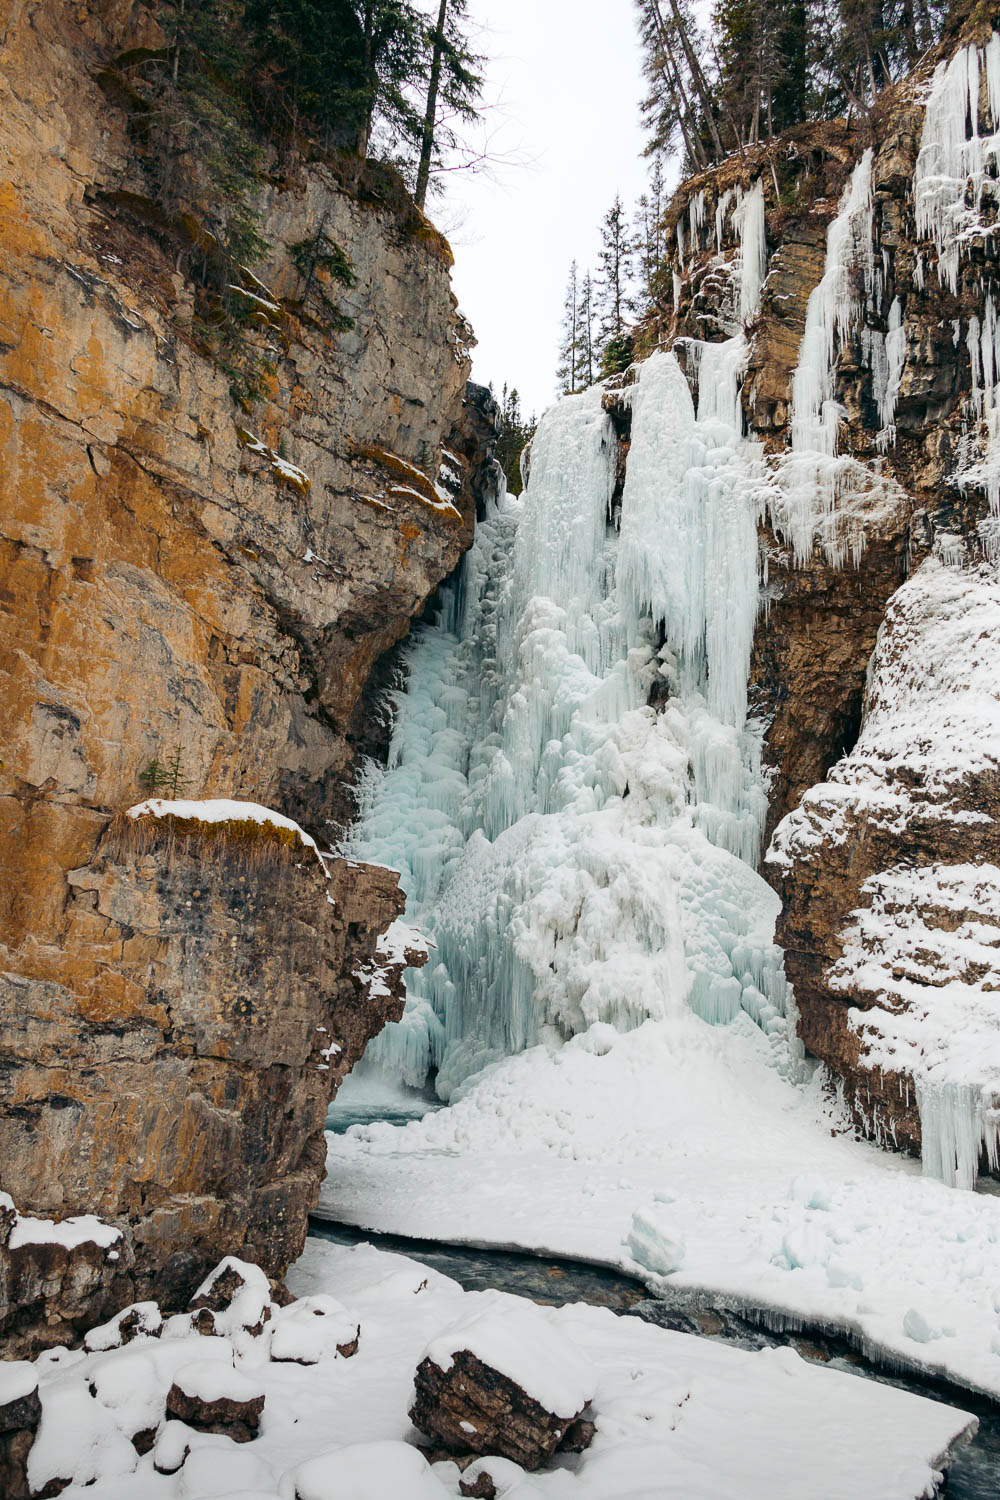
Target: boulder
20, 1414
504, 1382
216, 1398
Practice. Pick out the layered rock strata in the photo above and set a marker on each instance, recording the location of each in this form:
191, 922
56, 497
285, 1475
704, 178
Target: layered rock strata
176, 1082
186, 583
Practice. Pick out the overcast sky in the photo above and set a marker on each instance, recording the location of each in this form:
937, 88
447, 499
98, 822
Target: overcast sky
567, 77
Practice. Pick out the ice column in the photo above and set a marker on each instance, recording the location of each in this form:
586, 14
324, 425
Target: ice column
952, 174
819, 495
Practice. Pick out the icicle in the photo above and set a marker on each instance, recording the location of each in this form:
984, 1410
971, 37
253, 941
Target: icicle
820, 496
952, 174
696, 218
749, 220
895, 356
957, 1124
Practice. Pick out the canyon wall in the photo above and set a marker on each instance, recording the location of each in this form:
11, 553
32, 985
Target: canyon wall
190, 582
870, 680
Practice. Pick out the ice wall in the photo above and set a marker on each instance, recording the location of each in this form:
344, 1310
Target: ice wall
955, 195
576, 856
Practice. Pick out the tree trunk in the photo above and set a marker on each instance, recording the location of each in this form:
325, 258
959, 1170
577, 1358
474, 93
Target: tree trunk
688, 122
427, 141
366, 127
697, 75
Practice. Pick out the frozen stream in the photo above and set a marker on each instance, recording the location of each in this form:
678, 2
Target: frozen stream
975, 1474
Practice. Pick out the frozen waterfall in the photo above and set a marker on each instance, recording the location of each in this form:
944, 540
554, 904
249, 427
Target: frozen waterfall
576, 856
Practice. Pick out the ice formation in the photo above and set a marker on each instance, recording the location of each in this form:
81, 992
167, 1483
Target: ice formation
955, 194
577, 857
956, 167
818, 496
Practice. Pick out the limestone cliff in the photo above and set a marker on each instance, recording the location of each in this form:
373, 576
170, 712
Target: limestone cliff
184, 579
884, 763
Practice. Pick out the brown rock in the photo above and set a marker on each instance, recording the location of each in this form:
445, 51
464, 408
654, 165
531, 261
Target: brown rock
19, 1419
480, 1488
169, 1021
236, 1416
472, 1408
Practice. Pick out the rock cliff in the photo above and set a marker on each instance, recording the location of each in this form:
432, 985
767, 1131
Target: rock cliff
869, 680
184, 581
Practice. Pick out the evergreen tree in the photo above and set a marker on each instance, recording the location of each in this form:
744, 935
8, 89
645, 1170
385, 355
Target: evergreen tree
568, 371
649, 239
515, 433
588, 349
455, 82
613, 298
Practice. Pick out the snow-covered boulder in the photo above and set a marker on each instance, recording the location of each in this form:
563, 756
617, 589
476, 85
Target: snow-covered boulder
313, 1328
502, 1381
212, 1397
365, 1471
235, 1298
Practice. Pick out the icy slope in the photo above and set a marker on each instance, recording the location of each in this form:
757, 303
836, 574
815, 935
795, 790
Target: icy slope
678, 1147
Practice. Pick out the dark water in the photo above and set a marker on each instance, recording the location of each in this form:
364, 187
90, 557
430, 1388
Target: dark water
342, 1116
975, 1474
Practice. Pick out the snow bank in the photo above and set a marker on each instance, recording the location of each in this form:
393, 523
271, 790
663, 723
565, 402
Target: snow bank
624, 1149
366, 1471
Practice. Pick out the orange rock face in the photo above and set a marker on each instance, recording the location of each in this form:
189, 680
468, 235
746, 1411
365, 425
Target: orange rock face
164, 588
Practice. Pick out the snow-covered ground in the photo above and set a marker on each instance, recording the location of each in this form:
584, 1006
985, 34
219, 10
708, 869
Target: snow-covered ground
680, 1150
676, 1416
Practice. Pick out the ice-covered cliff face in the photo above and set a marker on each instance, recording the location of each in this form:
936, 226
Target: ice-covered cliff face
626, 689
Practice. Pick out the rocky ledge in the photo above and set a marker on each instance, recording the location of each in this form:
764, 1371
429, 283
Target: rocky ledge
175, 1085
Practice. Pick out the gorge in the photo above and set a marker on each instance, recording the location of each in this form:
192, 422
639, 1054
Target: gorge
663, 794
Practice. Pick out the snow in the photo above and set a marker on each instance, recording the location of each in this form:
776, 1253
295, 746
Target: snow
931, 730
312, 1329
676, 1416
82, 1229
109, 1335
516, 1339
367, 1471
222, 810
683, 1134
215, 1382
18, 1378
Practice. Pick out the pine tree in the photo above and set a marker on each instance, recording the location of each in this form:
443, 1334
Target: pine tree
613, 297
455, 82
515, 433
568, 370
649, 241
588, 349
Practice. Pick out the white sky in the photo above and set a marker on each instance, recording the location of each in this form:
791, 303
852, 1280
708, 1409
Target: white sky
567, 75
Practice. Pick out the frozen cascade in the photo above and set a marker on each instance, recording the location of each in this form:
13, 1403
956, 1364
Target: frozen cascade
956, 169
575, 855
749, 220
955, 193
818, 496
